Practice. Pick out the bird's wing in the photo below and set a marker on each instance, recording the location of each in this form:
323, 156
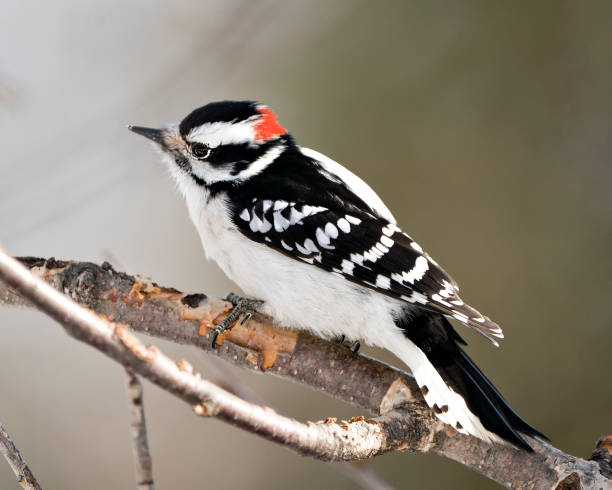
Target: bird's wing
366, 250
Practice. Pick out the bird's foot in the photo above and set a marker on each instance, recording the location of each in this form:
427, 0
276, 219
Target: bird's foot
241, 305
352, 346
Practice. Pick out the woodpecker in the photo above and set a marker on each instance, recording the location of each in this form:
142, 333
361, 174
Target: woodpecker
317, 249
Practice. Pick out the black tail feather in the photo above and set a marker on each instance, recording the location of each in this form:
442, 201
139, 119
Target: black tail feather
436, 337
489, 411
517, 422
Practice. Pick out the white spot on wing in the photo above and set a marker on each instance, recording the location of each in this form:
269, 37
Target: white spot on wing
301, 249
310, 210
381, 248
371, 255
322, 237
447, 291
357, 258
418, 271
353, 219
344, 225
397, 277
265, 226
285, 246
280, 222
383, 282
280, 205
331, 230
255, 223
347, 267
438, 299
309, 244
295, 216
460, 316
245, 215
386, 241
417, 247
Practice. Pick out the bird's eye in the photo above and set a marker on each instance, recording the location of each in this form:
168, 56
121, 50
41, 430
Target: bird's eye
200, 150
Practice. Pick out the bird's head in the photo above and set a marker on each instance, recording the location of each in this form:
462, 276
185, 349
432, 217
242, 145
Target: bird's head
225, 141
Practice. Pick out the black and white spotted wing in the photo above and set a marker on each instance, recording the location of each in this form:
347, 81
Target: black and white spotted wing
366, 250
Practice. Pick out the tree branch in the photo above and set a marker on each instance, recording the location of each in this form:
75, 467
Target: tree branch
357, 439
138, 429
25, 478
404, 421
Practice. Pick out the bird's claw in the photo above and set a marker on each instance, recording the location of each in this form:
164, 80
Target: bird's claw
241, 305
352, 346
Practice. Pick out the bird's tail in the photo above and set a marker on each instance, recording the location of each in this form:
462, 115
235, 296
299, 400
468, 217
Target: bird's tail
453, 386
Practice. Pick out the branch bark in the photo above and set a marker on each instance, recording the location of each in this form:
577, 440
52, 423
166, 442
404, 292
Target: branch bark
24, 475
403, 421
138, 430
357, 439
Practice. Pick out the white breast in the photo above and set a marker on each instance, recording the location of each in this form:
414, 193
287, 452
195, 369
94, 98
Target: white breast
295, 294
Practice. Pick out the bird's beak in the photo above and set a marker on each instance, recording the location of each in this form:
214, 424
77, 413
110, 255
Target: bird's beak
153, 134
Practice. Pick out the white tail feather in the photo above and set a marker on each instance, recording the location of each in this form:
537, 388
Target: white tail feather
451, 407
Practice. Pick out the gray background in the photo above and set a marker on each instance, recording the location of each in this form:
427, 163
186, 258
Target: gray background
485, 126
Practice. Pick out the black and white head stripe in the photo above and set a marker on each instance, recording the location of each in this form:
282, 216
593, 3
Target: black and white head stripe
235, 141
218, 112
231, 123
366, 250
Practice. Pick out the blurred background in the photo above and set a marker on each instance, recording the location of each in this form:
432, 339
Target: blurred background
485, 126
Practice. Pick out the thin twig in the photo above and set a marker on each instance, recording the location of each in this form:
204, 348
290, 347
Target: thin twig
138, 429
358, 471
24, 475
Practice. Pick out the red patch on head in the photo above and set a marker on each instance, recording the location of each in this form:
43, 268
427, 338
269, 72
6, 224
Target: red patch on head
267, 126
